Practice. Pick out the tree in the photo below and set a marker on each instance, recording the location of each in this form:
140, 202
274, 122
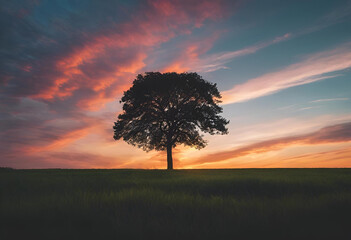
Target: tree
161, 111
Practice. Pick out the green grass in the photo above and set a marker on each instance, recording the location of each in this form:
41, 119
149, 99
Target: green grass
181, 204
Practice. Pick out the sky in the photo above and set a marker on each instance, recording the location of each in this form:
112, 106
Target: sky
283, 69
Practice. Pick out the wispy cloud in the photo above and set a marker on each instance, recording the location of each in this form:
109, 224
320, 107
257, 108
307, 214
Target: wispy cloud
217, 61
286, 107
314, 68
330, 159
330, 134
194, 59
337, 15
199, 62
70, 68
329, 100
308, 108
90, 66
333, 158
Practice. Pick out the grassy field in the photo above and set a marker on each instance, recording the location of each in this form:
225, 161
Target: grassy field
181, 204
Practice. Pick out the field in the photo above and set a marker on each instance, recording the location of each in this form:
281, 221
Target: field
180, 204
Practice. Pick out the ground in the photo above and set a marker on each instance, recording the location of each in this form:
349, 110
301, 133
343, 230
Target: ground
179, 204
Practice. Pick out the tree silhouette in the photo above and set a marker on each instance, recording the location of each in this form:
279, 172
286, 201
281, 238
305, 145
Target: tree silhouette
161, 111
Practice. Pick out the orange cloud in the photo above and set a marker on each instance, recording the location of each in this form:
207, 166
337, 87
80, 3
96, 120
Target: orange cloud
325, 159
330, 134
161, 21
188, 59
193, 58
62, 141
78, 70
339, 158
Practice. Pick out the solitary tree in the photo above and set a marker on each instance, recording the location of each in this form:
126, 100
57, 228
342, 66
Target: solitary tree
161, 111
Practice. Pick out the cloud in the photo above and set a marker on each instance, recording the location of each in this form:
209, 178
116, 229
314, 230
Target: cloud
194, 58
314, 68
308, 108
70, 56
339, 158
331, 134
189, 58
340, 14
329, 100
58, 159
329, 159
31, 127
217, 61
62, 63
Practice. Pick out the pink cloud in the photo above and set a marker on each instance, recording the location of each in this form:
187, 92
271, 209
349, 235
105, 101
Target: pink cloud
339, 158
157, 23
194, 58
312, 69
78, 70
331, 134
190, 54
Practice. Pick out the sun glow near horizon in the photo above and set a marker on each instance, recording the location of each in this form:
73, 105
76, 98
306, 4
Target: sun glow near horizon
285, 86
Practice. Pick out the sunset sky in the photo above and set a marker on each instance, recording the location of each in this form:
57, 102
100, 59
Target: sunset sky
283, 68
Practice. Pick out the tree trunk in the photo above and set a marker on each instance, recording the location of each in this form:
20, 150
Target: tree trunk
169, 157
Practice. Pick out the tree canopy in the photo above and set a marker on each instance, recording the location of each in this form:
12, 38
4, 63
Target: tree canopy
163, 110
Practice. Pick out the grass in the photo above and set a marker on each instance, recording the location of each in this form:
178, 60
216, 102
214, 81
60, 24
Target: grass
181, 204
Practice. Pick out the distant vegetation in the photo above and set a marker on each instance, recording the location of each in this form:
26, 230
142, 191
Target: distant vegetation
181, 204
5, 168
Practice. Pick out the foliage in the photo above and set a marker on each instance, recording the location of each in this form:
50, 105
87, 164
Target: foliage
168, 109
